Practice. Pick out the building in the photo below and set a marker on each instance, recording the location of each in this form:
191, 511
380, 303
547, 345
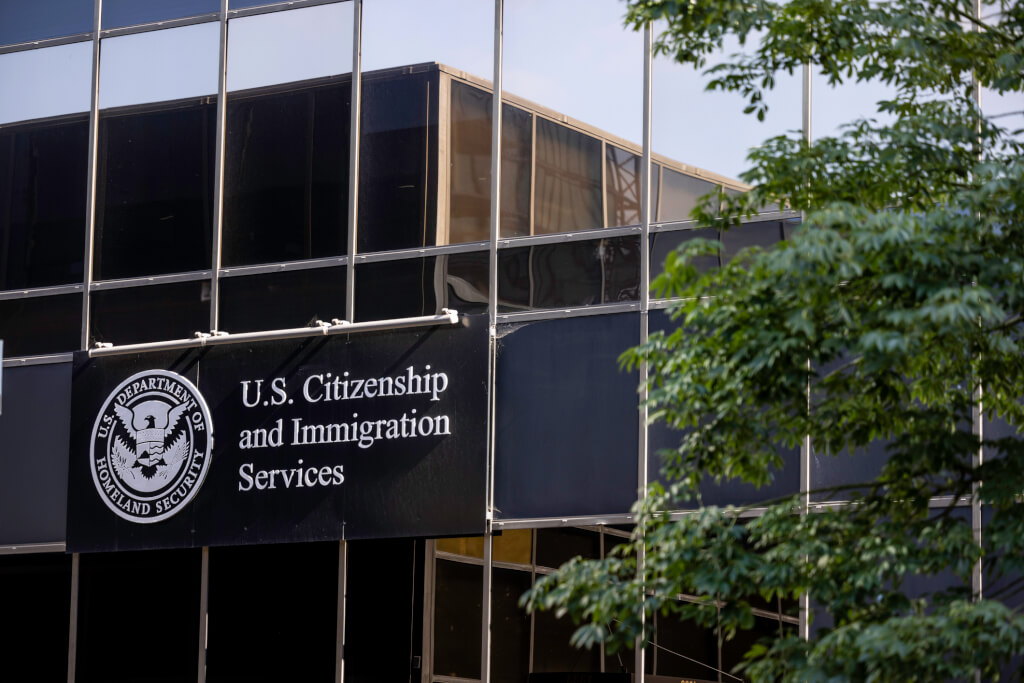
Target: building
327, 224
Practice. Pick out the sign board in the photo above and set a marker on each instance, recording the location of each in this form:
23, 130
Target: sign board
370, 435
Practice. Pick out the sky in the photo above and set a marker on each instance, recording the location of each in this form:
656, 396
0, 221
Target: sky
572, 56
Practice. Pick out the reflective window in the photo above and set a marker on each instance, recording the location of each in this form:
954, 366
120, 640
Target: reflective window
516, 171
679, 194
422, 286
146, 314
398, 162
295, 45
622, 186
555, 547
452, 32
170, 581
45, 82
552, 652
21, 22
763, 234
40, 325
154, 193
159, 65
569, 274
287, 174
132, 12
568, 180
35, 591
458, 591
514, 545
293, 298
510, 626
664, 242
42, 202
256, 634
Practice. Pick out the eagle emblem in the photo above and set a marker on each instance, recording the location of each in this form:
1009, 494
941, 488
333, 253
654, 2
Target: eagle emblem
151, 445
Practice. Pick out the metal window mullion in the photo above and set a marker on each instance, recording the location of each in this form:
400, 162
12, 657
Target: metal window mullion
218, 170
429, 571
204, 613
645, 259
73, 620
355, 114
90, 192
339, 647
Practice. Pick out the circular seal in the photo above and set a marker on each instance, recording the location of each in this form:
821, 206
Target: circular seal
150, 446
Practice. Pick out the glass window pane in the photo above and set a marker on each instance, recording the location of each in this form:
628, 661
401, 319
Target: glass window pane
570, 274
286, 174
413, 287
552, 651
45, 82
516, 171
35, 591
42, 202
159, 65
764, 235
555, 547
145, 314
452, 32
514, 545
568, 180
289, 299
679, 195
458, 589
21, 22
40, 325
510, 626
295, 45
106, 597
686, 649
664, 242
470, 196
398, 162
622, 186
256, 634
154, 208
118, 13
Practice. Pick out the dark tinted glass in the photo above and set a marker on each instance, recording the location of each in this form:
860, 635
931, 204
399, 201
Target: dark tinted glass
144, 314
131, 12
35, 591
552, 652
412, 287
276, 301
385, 599
21, 22
568, 192
458, 589
155, 191
569, 274
566, 425
555, 547
516, 164
38, 325
288, 634
664, 242
470, 198
762, 235
679, 194
111, 589
768, 629
398, 163
686, 649
42, 203
510, 627
622, 198
286, 175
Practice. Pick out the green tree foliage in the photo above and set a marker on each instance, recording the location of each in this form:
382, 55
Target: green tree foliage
894, 307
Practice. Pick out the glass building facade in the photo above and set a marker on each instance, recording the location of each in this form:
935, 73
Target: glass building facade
174, 168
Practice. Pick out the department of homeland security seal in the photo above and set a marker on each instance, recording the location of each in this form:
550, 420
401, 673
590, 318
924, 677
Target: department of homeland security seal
150, 446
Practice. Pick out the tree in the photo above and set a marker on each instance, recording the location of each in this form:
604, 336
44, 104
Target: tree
893, 313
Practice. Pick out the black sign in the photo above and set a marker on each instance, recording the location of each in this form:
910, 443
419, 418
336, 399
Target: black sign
369, 435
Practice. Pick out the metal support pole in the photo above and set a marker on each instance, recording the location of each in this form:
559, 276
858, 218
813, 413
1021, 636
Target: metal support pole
73, 621
218, 171
355, 115
645, 288
90, 193
805, 444
339, 672
495, 218
485, 605
204, 613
